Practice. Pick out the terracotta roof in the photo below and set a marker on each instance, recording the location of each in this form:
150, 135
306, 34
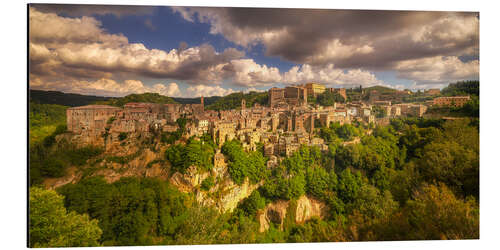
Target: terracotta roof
95, 107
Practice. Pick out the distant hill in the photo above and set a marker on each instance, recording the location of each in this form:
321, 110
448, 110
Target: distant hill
233, 101
230, 101
206, 100
380, 89
462, 88
146, 97
65, 99
73, 100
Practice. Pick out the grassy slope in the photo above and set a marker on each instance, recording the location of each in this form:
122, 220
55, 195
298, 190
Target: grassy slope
43, 120
65, 99
233, 101
146, 97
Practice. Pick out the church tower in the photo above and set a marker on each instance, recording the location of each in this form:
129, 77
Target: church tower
202, 104
243, 104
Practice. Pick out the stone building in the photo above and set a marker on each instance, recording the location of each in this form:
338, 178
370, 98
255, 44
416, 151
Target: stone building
291, 95
91, 118
341, 91
313, 89
457, 101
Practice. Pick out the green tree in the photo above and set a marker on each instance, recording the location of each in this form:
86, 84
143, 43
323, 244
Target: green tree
50, 225
329, 98
435, 213
252, 203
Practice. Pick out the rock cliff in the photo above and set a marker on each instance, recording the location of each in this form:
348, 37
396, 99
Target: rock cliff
130, 157
303, 209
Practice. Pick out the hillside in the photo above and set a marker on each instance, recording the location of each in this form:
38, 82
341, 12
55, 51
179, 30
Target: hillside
60, 98
461, 88
146, 97
380, 89
233, 101
196, 100
44, 119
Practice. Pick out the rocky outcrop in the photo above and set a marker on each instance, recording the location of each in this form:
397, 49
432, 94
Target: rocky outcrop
225, 195
72, 176
233, 194
141, 161
189, 181
146, 161
308, 207
276, 212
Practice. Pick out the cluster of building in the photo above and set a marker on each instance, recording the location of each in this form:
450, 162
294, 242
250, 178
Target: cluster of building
456, 101
297, 95
283, 126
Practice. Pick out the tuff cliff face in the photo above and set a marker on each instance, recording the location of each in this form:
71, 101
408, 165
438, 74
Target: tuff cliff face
129, 157
224, 195
120, 159
304, 209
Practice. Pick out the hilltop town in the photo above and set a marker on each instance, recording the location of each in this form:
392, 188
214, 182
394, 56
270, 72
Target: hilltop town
286, 123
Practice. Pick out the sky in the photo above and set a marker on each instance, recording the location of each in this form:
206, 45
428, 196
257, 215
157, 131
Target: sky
205, 51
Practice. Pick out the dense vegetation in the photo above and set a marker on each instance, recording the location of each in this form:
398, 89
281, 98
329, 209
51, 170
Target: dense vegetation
196, 152
66, 229
195, 100
64, 99
49, 159
131, 211
233, 101
470, 109
44, 119
243, 164
146, 97
413, 179
328, 98
461, 88
380, 89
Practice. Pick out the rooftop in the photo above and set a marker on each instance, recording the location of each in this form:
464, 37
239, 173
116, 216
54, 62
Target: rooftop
94, 107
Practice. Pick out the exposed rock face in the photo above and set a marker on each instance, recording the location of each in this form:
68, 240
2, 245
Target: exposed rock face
274, 212
225, 195
72, 176
233, 194
307, 207
189, 181
147, 162
140, 165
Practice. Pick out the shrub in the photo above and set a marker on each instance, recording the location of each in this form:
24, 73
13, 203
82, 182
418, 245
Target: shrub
208, 183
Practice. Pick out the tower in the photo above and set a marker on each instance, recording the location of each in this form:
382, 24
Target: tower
202, 104
243, 104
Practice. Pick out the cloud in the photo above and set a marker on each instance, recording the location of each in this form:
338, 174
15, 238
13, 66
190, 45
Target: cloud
171, 89
346, 38
248, 73
435, 70
80, 48
330, 76
105, 87
252, 89
88, 10
204, 90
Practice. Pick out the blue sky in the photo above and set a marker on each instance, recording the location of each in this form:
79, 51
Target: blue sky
118, 50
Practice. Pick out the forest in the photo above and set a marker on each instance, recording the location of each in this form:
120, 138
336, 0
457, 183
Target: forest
413, 179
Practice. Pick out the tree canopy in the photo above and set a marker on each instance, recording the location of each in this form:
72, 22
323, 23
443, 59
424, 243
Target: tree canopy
51, 225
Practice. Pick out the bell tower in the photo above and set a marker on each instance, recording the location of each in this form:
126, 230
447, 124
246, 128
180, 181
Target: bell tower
202, 104
243, 104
